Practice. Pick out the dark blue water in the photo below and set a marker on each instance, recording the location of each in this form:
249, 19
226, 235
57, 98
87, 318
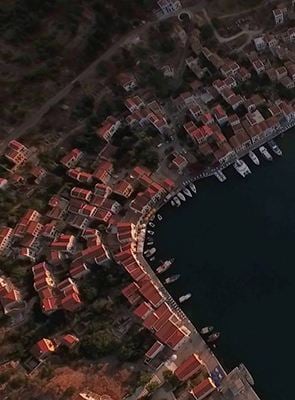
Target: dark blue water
234, 245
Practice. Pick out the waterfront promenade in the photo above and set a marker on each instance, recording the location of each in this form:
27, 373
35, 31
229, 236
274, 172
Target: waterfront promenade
196, 343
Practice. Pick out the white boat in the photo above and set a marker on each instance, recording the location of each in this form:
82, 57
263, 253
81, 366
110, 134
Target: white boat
150, 243
181, 196
192, 187
172, 279
172, 203
254, 157
242, 168
185, 297
150, 252
265, 153
152, 259
164, 266
177, 201
275, 148
152, 224
220, 176
206, 330
187, 192
159, 217
151, 232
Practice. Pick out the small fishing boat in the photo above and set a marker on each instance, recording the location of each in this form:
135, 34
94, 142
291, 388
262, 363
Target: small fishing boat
151, 232
152, 258
192, 187
213, 337
150, 243
152, 224
159, 217
150, 252
177, 201
184, 297
181, 196
254, 157
187, 192
165, 266
206, 330
171, 279
265, 153
172, 203
275, 148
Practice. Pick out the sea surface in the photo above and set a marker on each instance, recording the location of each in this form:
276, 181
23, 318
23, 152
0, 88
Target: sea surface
234, 245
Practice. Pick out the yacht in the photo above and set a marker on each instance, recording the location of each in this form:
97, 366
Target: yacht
164, 266
265, 153
220, 176
206, 330
181, 196
254, 157
192, 187
159, 217
150, 252
185, 297
151, 232
242, 168
177, 201
171, 279
275, 148
187, 192
213, 337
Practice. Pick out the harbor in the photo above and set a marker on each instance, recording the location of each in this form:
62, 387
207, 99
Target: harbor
232, 246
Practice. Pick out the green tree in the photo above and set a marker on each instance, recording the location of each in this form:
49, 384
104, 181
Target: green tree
206, 32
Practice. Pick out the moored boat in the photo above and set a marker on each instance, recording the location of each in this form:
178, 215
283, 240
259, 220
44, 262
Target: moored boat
206, 330
265, 153
253, 157
152, 224
184, 297
187, 192
165, 266
181, 196
213, 337
242, 168
220, 176
151, 232
159, 217
150, 243
171, 279
150, 252
177, 201
172, 203
275, 148
192, 187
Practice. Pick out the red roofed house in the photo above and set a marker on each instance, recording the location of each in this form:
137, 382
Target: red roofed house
179, 162
17, 153
123, 188
203, 389
43, 348
134, 103
188, 368
143, 310
71, 159
220, 115
6, 236
103, 171
108, 128
81, 194
71, 302
69, 340
127, 81
153, 351
131, 293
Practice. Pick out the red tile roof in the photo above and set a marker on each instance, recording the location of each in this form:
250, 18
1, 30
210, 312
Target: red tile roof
188, 367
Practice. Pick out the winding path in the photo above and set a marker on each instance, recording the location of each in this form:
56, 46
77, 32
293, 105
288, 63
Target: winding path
250, 32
